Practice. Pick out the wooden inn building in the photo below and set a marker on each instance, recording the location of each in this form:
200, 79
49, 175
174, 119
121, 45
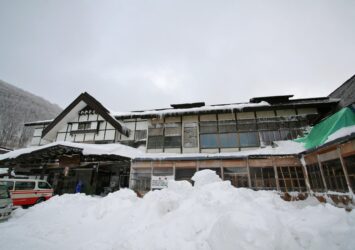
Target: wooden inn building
249, 144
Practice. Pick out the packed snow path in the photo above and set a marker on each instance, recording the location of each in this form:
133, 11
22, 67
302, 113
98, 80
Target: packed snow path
211, 215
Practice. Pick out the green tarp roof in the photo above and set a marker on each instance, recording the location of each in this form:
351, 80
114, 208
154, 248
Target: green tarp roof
320, 132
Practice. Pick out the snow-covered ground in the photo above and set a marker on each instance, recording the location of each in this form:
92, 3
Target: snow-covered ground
211, 215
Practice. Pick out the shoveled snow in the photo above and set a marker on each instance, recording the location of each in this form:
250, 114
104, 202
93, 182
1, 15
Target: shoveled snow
205, 177
341, 133
214, 215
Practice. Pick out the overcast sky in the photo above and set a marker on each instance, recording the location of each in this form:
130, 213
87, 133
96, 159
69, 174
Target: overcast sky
147, 54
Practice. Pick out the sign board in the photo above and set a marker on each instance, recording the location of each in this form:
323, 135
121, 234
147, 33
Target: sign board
159, 182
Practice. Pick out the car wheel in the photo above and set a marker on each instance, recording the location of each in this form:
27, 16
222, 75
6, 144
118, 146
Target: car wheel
40, 200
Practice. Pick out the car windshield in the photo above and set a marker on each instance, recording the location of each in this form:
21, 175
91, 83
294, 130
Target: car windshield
4, 192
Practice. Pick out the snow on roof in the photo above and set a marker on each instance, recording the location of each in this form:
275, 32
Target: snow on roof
161, 113
343, 132
282, 148
88, 149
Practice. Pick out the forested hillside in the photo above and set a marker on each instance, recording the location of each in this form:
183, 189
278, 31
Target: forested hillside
17, 107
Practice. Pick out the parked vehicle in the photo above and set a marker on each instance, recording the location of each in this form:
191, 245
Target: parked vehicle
26, 192
5, 203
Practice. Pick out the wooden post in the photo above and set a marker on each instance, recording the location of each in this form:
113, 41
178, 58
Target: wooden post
345, 171
322, 173
248, 169
221, 168
305, 173
276, 174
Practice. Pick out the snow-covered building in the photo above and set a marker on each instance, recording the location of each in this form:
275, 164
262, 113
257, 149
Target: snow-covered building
144, 149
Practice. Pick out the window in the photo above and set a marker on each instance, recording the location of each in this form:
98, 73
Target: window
246, 125
209, 140
228, 136
350, 167
263, 178
84, 125
268, 124
172, 142
140, 135
141, 179
288, 134
156, 131
155, 137
315, 177
291, 178
161, 171
9, 184
24, 185
184, 174
209, 134
155, 142
227, 126
208, 127
334, 176
190, 135
172, 135
43, 185
4, 192
270, 136
249, 139
228, 140
238, 176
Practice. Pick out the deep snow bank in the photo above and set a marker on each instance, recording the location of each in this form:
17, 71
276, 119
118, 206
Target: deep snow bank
212, 215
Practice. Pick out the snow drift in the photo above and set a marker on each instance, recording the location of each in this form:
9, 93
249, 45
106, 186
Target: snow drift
211, 215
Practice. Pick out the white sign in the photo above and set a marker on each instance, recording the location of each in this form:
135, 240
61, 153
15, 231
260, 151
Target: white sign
159, 182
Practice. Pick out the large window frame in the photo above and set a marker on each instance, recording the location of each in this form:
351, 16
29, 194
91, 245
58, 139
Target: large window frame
263, 178
291, 179
155, 136
334, 176
209, 135
315, 177
238, 176
172, 135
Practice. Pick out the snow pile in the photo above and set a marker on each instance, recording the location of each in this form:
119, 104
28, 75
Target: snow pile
202, 178
213, 215
341, 133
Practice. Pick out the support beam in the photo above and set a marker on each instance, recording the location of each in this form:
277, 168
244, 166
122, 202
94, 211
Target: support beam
345, 171
322, 173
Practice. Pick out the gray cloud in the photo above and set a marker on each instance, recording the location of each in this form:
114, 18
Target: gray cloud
147, 54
